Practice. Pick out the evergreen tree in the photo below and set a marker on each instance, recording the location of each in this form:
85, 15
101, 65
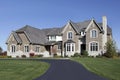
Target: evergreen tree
110, 49
1, 50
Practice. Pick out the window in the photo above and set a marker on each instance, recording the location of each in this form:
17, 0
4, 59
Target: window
70, 36
94, 33
59, 46
37, 49
93, 46
52, 38
70, 47
26, 48
13, 48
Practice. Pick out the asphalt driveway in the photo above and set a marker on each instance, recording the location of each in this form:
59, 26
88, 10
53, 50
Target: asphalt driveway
67, 70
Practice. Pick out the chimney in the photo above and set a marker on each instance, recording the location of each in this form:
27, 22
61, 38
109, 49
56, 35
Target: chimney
104, 25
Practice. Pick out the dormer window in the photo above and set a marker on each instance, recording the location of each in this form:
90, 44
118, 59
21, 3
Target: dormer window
70, 35
93, 33
52, 38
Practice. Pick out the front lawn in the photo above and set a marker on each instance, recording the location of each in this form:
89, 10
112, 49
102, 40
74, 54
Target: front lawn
109, 68
21, 69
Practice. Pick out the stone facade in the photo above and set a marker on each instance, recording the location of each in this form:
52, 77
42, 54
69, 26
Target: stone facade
65, 41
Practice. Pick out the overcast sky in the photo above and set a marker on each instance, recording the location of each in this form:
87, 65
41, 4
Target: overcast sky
15, 14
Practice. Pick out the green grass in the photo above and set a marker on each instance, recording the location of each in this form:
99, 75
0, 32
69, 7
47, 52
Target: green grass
21, 69
109, 68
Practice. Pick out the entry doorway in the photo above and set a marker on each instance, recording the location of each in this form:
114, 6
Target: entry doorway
83, 47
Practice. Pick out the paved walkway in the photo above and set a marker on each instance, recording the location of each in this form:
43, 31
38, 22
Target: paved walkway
67, 70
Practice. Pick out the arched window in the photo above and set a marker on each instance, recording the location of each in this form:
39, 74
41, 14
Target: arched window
93, 46
94, 33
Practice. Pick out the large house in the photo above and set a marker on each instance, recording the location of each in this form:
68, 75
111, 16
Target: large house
65, 41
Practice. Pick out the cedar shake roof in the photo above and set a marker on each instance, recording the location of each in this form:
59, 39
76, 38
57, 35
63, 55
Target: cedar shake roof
39, 36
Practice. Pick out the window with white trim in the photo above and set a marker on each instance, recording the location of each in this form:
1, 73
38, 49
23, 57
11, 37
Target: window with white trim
37, 49
70, 47
70, 35
94, 33
93, 46
52, 38
26, 48
13, 48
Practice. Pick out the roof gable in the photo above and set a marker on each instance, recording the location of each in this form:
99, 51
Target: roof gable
93, 21
16, 37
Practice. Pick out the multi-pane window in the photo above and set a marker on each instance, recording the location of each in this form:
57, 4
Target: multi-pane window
70, 47
93, 33
70, 35
52, 38
37, 49
13, 48
26, 48
93, 46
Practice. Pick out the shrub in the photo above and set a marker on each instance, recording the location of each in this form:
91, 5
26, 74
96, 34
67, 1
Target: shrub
9, 57
55, 55
76, 55
23, 56
84, 53
32, 54
40, 55
110, 49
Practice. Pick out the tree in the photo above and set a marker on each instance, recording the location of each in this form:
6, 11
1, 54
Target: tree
1, 50
110, 49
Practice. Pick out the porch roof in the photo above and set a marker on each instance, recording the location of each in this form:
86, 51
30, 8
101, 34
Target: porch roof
50, 43
69, 41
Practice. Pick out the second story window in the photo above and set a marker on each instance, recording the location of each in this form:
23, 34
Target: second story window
70, 35
93, 33
52, 38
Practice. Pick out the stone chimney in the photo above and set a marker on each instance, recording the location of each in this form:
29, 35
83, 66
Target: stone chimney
104, 25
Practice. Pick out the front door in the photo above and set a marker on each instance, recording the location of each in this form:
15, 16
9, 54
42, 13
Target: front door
83, 47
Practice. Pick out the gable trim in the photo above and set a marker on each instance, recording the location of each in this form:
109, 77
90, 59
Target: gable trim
71, 26
10, 37
27, 37
92, 21
65, 27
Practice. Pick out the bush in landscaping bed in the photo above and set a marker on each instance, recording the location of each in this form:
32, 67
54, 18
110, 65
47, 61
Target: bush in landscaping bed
40, 55
32, 54
84, 53
23, 56
76, 55
9, 56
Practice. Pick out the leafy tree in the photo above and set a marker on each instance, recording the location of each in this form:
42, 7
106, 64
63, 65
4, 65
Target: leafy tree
1, 50
110, 49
